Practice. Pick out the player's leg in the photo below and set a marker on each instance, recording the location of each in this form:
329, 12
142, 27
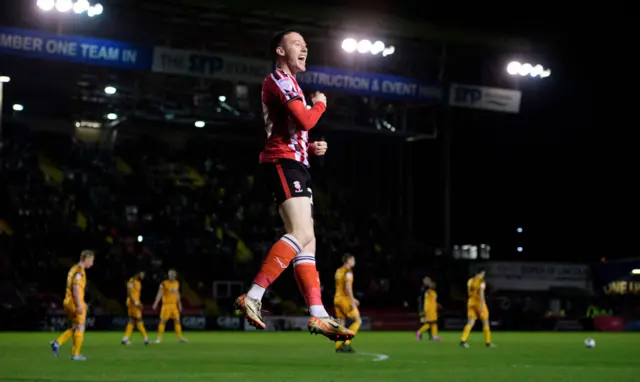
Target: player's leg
162, 324
472, 316
433, 325
341, 315
140, 325
356, 322
142, 330
308, 279
129, 328
177, 325
280, 178
66, 335
78, 336
486, 326
309, 283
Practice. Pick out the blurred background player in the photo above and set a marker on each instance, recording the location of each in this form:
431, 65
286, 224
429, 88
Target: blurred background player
75, 306
284, 164
169, 292
430, 306
344, 302
477, 308
134, 309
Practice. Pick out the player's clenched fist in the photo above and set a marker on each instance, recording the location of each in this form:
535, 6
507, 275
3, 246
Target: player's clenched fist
319, 97
320, 147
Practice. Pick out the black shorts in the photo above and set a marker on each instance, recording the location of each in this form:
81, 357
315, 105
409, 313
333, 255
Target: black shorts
287, 179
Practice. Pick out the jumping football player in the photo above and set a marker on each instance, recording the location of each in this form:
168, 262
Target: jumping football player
284, 163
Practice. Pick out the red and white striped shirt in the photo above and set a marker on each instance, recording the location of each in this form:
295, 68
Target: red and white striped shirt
286, 121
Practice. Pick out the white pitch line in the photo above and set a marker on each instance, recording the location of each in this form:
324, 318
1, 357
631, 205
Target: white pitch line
378, 357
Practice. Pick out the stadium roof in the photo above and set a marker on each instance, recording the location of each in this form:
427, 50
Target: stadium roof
343, 20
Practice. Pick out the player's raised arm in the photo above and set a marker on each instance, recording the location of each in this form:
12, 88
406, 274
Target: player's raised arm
308, 118
158, 297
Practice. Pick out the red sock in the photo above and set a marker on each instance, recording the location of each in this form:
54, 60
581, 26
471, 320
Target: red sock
277, 260
308, 279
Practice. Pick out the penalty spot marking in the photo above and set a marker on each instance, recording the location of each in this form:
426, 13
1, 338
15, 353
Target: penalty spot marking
377, 357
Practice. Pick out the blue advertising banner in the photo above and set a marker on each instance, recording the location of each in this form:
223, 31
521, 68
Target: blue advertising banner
91, 51
372, 84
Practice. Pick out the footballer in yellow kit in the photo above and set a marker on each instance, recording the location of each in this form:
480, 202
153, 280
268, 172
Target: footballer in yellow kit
134, 309
430, 308
477, 309
344, 302
169, 293
75, 306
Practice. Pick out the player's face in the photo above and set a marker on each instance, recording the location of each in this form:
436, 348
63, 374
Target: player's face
295, 52
351, 262
426, 281
141, 275
172, 275
88, 262
482, 274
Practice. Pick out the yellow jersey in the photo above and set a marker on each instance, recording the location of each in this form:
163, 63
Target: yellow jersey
475, 286
170, 292
343, 275
430, 300
134, 287
76, 276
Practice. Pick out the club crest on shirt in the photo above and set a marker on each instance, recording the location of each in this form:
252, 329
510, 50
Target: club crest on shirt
286, 84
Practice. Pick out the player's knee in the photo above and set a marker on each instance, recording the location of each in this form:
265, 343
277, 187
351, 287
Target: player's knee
311, 247
471, 321
304, 235
80, 328
358, 319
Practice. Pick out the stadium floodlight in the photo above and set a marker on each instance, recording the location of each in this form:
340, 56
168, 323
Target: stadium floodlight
64, 6
18, 107
377, 47
77, 6
110, 90
95, 10
635, 272
222, 98
199, 124
349, 45
364, 46
46, 5
112, 116
520, 249
81, 6
140, 238
5, 79
526, 69
519, 230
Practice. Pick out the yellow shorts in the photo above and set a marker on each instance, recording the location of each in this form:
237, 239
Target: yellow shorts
474, 311
169, 313
134, 311
431, 316
74, 317
344, 309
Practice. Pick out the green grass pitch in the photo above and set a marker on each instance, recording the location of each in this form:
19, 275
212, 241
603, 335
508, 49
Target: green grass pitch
297, 356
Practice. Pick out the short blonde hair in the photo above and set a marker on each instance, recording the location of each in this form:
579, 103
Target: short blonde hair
86, 254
